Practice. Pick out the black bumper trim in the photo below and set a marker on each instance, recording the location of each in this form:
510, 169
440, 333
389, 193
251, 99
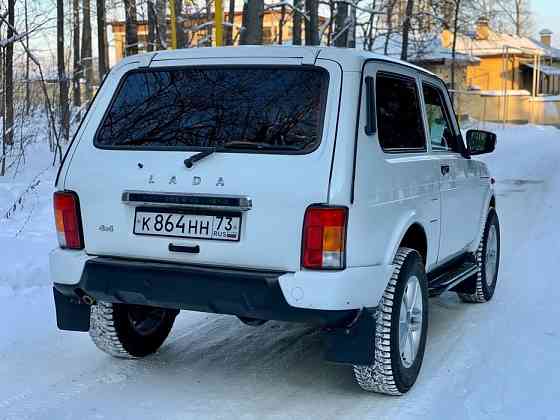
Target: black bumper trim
252, 294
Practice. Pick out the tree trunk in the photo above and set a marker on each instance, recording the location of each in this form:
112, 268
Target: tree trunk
180, 25
131, 28
448, 13
312, 23
102, 40
152, 23
252, 22
518, 17
231, 20
161, 24
27, 83
296, 23
281, 25
9, 78
340, 37
86, 56
454, 46
62, 80
406, 29
352, 28
390, 9
209, 18
330, 28
2, 109
76, 68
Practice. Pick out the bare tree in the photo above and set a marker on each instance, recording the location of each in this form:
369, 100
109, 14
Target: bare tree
161, 24
9, 78
340, 37
406, 29
152, 25
102, 39
312, 22
86, 54
517, 14
131, 27
62, 79
389, 19
281, 22
457, 9
230, 19
180, 25
76, 69
252, 22
296, 22
27, 81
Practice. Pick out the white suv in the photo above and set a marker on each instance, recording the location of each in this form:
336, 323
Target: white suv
320, 185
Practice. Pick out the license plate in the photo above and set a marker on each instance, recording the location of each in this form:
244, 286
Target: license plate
176, 223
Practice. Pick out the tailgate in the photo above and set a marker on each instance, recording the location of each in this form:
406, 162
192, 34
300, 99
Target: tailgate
260, 193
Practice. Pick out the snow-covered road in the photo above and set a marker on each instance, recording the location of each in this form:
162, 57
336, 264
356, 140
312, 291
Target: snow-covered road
498, 361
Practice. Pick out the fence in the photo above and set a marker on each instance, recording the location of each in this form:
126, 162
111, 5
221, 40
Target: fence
516, 108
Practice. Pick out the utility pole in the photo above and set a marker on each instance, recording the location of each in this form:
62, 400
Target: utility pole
219, 22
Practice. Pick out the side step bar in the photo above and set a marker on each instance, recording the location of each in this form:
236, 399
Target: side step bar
451, 278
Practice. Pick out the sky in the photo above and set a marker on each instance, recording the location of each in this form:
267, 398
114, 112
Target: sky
547, 15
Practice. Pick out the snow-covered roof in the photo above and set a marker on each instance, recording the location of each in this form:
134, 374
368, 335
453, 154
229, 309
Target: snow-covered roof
498, 42
548, 50
427, 49
509, 92
350, 59
545, 69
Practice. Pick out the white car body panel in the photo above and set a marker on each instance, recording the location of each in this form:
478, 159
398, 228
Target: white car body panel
267, 179
386, 193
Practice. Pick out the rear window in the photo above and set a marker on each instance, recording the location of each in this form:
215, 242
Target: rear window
277, 110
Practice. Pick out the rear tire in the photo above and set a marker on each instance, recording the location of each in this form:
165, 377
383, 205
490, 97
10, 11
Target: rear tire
401, 329
487, 256
129, 331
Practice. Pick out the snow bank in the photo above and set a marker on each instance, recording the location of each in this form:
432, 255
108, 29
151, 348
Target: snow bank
26, 222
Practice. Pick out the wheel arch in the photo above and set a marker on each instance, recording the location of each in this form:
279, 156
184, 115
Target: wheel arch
411, 234
489, 203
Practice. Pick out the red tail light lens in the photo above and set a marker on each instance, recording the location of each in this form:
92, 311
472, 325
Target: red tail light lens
324, 237
67, 219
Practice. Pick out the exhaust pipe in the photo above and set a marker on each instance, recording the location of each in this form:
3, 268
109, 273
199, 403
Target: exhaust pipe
253, 322
84, 297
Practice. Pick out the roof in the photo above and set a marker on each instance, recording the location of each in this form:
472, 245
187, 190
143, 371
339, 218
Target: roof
427, 50
498, 42
545, 69
350, 59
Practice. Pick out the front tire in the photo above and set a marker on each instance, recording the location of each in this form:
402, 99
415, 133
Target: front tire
129, 331
483, 284
401, 329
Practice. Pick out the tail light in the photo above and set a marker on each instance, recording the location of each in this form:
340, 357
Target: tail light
324, 237
67, 219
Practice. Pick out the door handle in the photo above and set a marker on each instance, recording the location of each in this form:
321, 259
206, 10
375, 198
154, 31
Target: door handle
444, 169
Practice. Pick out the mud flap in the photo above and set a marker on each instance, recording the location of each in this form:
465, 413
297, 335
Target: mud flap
354, 344
71, 314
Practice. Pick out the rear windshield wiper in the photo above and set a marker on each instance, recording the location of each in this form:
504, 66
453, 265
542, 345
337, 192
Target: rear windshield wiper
238, 144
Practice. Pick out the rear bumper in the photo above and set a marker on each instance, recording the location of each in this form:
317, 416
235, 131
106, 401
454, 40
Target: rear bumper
253, 294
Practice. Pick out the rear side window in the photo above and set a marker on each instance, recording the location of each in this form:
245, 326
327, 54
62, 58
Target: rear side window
277, 110
399, 118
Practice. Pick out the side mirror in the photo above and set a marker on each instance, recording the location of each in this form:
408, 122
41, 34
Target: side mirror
480, 142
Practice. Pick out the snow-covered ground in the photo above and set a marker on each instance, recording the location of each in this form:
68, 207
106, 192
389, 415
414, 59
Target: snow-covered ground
498, 361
